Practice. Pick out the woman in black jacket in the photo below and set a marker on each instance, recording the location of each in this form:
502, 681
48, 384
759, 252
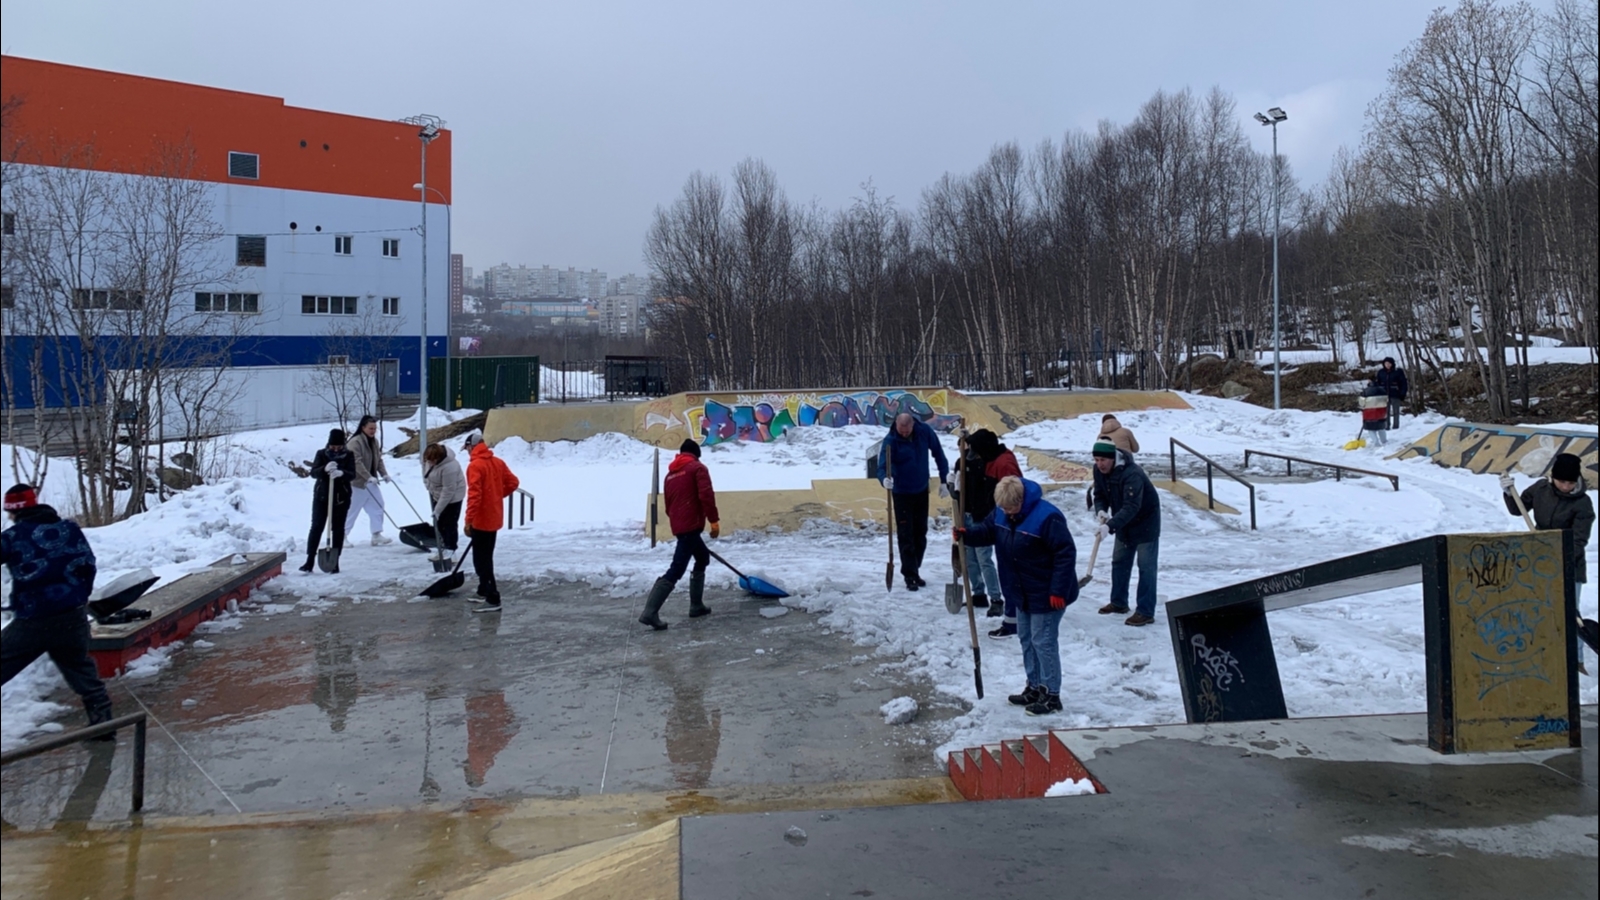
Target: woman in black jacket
332, 469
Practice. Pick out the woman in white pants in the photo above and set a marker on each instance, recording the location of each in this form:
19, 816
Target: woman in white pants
364, 491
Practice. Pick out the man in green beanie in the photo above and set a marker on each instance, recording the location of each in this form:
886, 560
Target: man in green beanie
1128, 509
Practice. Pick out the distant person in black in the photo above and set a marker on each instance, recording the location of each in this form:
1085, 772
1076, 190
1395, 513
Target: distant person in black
1392, 379
52, 574
332, 469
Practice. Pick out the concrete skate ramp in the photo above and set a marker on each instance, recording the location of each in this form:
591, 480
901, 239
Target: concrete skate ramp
713, 418
1496, 449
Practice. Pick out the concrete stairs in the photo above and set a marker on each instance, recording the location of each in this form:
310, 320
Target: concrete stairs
1016, 769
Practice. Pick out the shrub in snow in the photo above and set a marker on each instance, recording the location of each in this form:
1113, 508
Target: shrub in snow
899, 711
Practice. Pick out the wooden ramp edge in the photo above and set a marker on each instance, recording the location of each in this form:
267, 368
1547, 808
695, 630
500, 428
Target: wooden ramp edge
1193, 496
642, 866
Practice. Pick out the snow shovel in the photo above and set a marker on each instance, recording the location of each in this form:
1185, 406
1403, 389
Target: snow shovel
966, 575
327, 556
1088, 574
1359, 442
755, 584
955, 599
1522, 509
450, 582
888, 495
117, 594
655, 496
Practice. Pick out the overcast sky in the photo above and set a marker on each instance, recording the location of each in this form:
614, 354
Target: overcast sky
574, 120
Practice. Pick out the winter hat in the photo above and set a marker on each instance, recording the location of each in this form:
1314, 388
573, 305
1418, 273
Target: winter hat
474, 438
690, 447
1388, 360
336, 437
1105, 449
984, 442
23, 496
1566, 468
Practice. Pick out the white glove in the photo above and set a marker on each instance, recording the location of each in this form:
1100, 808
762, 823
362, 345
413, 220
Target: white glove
1103, 532
1102, 516
888, 483
1508, 484
332, 469
944, 492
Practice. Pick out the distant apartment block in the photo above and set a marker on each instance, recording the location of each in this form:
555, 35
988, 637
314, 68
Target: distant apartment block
457, 283
507, 282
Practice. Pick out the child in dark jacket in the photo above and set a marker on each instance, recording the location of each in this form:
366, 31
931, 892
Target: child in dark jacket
331, 470
52, 574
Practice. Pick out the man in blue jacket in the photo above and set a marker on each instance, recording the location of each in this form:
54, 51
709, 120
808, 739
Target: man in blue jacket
903, 470
1130, 511
1392, 379
1038, 576
52, 574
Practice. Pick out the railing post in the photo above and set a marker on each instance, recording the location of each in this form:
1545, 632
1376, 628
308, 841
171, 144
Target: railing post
1252, 507
1172, 459
1211, 501
139, 734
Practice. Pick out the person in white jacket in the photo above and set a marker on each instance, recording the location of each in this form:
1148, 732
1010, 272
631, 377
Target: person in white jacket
447, 486
364, 491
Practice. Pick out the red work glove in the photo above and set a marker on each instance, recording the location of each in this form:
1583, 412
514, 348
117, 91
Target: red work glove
716, 530
959, 534
1058, 602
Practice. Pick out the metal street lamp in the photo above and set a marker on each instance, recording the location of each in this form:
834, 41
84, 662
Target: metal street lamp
1272, 117
428, 131
449, 242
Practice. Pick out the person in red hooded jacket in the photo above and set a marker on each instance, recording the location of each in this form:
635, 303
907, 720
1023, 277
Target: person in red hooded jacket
489, 483
691, 503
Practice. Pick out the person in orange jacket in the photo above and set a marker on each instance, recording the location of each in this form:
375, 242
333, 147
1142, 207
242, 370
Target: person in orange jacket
691, 505
489, 483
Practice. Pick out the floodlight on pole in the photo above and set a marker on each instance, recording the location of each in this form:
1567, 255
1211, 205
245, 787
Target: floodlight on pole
428, 130
1271, 119
449, 242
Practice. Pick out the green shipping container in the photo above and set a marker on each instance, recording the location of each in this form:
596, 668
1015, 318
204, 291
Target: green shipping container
484, 382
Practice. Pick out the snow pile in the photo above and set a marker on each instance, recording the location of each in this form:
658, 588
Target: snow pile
899, 711
1070, 788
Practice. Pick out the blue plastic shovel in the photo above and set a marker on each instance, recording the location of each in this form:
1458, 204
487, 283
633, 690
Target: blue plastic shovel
752, 583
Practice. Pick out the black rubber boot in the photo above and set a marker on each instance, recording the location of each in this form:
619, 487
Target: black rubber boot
652, 604
697, 592
311, 562
98, 714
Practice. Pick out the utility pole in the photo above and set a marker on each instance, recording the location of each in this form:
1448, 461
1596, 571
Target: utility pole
1272, 117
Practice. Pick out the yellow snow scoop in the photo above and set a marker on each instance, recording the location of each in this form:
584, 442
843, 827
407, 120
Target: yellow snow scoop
1356, 444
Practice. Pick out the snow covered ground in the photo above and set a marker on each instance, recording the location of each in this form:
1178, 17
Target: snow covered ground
1358, 655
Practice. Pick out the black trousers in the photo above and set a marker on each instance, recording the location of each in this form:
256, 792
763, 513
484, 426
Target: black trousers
483, 564
911, 529
319, 520
690, 544
65, 637
450, 526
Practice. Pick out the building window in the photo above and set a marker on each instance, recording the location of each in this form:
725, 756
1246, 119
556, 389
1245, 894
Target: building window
250, 250
391, 306
327, 306
341, 244
342, 360
244, 165
8, 297
10, 223
391, 248
219, 302
95, 298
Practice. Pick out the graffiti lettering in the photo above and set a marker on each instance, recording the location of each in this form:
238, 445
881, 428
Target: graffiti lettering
1501, 448
1545, 725
1220, 665
763, 418
1278, 584
1492, 565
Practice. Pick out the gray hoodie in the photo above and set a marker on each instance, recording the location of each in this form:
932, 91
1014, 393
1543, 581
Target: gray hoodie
446, 483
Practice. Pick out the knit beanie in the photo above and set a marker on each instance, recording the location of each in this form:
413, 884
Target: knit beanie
474, 438
20, 497
690, 447
1105, 449
336, 437
985, 443
1566, 468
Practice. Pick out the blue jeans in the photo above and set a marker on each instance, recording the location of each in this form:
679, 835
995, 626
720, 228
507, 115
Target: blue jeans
1122, 572
981, 573
1041, 647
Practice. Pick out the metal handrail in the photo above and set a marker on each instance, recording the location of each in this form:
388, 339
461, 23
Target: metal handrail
1338, 470
525, 507
68, 738
1211, 501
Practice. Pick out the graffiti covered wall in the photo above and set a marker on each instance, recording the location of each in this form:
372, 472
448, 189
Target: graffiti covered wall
1494, 449
765, 417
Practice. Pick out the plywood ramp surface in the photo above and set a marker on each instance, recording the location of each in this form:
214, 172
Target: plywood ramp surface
641, 866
